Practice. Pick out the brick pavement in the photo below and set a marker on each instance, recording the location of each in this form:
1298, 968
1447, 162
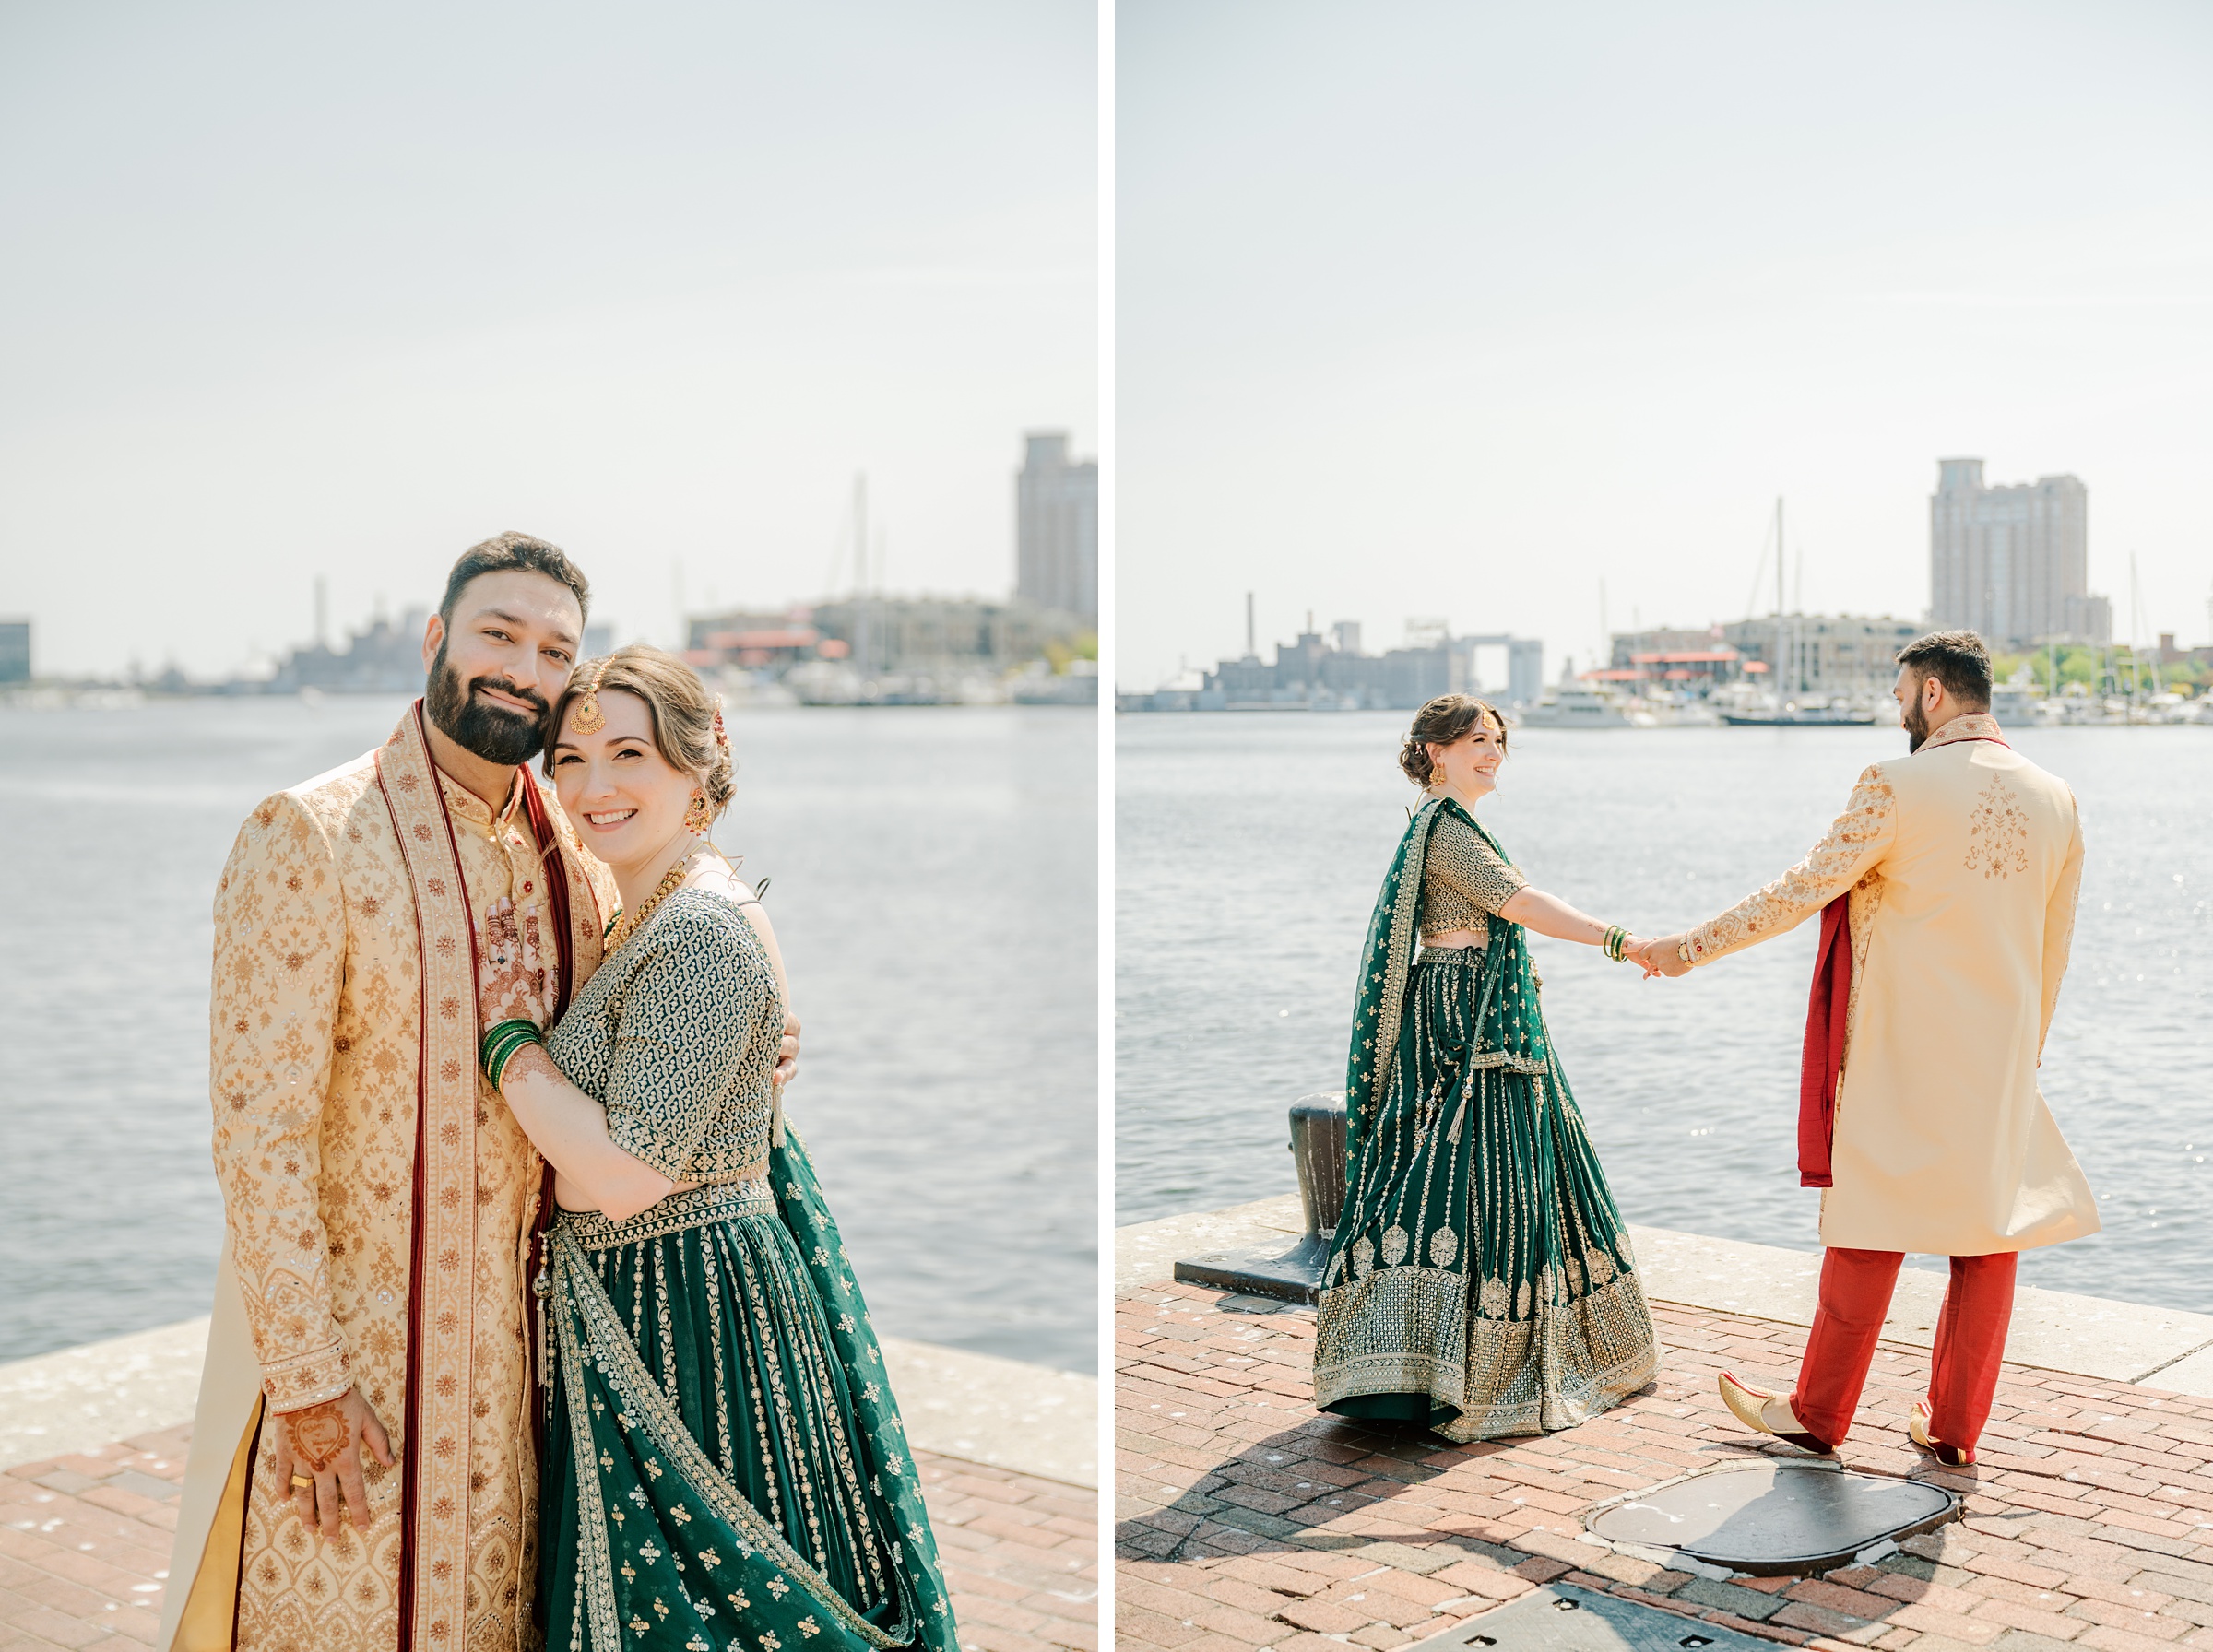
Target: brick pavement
84, 1550
1249, 1520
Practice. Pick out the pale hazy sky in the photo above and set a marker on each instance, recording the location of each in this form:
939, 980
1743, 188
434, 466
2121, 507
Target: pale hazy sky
289, 290
1458, 309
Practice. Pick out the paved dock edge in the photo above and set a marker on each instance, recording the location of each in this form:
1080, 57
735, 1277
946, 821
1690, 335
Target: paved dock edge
980, 1408
2053, 1330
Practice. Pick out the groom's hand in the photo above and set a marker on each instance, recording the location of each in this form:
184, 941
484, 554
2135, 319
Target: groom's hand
324, 1443
788, 1051
1665, 955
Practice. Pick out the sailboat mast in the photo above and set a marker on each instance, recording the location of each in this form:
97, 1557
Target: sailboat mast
1778, 607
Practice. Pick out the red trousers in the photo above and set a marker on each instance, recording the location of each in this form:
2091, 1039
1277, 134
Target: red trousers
1971, 1340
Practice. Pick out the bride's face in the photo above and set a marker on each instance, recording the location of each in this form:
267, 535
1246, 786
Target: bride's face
1470, 764
626, 799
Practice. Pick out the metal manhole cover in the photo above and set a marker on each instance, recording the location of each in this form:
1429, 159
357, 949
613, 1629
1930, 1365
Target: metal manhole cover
1565, 1619
1776, 1519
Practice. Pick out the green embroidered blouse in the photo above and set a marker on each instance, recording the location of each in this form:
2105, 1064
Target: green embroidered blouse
676, 1034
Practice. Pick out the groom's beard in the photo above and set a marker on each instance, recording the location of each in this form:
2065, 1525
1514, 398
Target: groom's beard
1916, 722
498, 734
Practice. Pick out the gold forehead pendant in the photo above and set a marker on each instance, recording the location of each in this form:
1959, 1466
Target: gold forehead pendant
589, 719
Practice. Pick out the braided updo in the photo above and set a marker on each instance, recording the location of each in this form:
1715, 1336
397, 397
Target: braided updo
1443, 720
683, 711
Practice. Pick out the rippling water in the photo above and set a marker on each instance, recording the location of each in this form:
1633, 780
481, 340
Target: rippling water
934, 891
1251, 848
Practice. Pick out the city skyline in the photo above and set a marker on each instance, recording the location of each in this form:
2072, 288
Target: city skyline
652, 290
1458, 311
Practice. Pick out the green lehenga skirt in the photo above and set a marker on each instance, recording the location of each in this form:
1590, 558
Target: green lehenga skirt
723, 1466
1481, 1282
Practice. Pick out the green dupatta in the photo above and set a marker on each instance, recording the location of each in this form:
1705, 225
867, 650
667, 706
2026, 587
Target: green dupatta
760, 1594
1480, 1269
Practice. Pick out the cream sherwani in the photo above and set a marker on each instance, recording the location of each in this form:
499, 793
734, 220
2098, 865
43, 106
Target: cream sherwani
1962, 862
376, 1196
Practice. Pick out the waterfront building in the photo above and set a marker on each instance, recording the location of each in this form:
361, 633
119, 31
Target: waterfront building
1056, 528
381, 658
879, 634
14, 651
2012, 563
1316, 672
1823, 653
1661, 639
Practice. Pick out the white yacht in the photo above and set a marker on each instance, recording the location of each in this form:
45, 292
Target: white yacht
1571, 705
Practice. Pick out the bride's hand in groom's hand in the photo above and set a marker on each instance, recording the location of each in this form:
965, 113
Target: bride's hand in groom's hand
1663, 957
1638, 952
324, 1443
511, 979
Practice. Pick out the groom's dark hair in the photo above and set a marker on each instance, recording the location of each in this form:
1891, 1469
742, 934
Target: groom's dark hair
510, 552
1955, 658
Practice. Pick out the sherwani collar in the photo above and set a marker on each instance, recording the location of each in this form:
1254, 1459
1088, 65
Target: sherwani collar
464, 805
1973, 725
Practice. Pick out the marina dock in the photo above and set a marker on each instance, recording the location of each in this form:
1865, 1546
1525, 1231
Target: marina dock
1246, 1520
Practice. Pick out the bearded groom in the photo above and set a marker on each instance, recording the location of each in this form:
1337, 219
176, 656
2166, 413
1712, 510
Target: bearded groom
361, 1473
1947, 889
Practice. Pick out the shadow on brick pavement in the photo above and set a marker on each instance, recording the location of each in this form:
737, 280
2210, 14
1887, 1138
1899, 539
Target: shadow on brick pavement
1248, 1520
84, 1541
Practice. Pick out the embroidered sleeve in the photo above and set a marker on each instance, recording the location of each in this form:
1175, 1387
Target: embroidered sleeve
2059, 926
1856, 842
1464, 863
279, 965
690, 1012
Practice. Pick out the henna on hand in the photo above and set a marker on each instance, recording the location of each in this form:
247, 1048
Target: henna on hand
529, 1060
507, 984
318, 1434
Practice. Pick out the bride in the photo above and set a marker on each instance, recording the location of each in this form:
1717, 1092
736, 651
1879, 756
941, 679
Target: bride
721, 1461
1480, 1283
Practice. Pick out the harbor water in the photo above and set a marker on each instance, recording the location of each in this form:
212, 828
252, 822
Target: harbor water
1251, 847
933, 884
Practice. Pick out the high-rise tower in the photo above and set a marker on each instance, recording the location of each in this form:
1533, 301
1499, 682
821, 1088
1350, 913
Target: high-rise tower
2012, 563
1056, 528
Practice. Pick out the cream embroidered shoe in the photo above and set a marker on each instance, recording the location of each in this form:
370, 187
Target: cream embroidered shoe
1917, 1430
1769, 1414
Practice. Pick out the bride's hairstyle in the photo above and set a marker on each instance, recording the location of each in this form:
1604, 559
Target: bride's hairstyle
687, 720
1443, 720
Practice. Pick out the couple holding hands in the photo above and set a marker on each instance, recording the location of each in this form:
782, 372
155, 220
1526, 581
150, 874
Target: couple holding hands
1481, 1282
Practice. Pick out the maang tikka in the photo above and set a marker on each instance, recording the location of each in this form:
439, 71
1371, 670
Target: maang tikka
589, 718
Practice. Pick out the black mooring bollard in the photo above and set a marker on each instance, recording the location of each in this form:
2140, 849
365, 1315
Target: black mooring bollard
1269, 1270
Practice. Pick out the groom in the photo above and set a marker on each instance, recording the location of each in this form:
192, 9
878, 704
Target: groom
1948, 890
362, 1476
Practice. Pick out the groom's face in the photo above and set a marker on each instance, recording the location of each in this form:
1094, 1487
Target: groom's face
496, 670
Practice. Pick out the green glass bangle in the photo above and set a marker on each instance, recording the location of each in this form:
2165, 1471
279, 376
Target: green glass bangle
497, 1066
499, 1031
500, 1044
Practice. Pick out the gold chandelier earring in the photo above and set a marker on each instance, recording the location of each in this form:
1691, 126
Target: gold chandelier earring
699, 816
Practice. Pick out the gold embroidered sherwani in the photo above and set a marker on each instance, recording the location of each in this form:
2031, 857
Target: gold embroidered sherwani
1963, 862
372, 1185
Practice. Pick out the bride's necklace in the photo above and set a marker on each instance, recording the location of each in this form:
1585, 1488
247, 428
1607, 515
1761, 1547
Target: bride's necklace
628, 924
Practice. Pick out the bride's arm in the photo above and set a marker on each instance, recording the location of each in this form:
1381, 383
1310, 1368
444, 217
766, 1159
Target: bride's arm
1548, 914
570, 1130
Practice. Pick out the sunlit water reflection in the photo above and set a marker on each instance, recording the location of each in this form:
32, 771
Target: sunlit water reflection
934, 892
1251, 848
